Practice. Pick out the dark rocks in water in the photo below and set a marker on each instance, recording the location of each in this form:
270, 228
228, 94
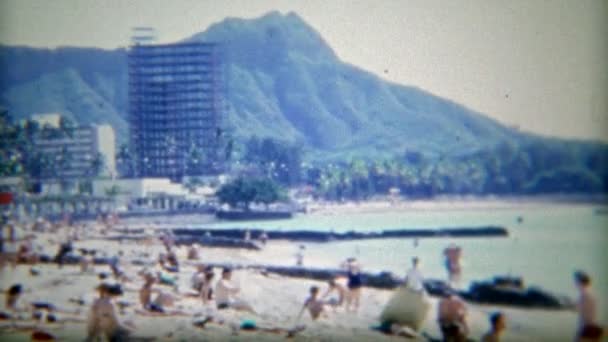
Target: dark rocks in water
382, 280
511, 291
326, 236
225, 242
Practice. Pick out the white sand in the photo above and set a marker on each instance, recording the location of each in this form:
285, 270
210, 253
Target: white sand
276, 299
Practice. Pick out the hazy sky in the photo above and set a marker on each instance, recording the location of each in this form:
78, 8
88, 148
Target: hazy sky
540, 65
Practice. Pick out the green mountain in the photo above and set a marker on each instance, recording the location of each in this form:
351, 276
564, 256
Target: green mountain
282, 80
87, 85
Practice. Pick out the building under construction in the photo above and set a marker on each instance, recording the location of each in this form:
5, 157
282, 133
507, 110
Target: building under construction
175, 109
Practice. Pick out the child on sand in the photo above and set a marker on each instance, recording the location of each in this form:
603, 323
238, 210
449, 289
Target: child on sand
313, 304
339, 289
498, 325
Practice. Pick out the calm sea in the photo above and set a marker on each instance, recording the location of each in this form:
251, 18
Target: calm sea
550, 243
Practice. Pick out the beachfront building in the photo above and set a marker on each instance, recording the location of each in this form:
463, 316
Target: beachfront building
152, 194
86, 151
175, 109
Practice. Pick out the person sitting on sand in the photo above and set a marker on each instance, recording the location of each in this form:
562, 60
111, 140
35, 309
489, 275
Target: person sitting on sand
225, 291
145, 294
64, 249
27, 253
160, 303
12, 297
102, 320
314, 305
198, 278
115, 266
497, 327
87, 259
10, 245
169, 261
414, 279
341, 291
588, 327
193, 252
206, 291
451, 317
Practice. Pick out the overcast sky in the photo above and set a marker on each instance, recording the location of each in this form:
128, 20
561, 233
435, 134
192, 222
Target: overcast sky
539, 65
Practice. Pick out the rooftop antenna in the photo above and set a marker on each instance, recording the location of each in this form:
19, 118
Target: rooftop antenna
143, 35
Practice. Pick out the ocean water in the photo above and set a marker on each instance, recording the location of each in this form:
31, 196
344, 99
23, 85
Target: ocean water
545, 249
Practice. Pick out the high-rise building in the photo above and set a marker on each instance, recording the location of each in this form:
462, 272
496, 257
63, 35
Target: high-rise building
175, 109
86, 151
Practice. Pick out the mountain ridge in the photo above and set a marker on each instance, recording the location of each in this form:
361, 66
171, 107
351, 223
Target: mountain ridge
282, 81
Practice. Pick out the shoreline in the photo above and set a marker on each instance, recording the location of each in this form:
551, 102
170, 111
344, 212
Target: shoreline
380, 206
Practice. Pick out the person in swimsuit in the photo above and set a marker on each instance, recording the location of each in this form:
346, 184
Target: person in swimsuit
355, 282
452, 255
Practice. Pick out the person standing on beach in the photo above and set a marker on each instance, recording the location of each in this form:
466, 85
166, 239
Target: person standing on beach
452, 255
355, 282
300, 256
414, 279
588, 327
263, 237
451, 317
498, 326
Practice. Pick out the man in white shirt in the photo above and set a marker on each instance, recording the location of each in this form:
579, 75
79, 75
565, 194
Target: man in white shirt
225, 292
414, 279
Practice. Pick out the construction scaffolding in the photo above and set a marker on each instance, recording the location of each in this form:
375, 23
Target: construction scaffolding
176, 109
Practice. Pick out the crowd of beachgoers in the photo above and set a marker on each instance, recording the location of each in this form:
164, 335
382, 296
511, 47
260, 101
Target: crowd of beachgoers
55, 288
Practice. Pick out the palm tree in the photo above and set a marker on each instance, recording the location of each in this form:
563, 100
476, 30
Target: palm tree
125, 161
67, 126
97, 165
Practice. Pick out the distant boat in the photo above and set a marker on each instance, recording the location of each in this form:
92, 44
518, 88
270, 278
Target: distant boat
241, 215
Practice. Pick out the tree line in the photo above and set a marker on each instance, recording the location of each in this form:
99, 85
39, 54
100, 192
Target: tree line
534, 166
19, 155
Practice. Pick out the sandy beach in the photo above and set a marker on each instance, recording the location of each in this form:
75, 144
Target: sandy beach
276, 299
